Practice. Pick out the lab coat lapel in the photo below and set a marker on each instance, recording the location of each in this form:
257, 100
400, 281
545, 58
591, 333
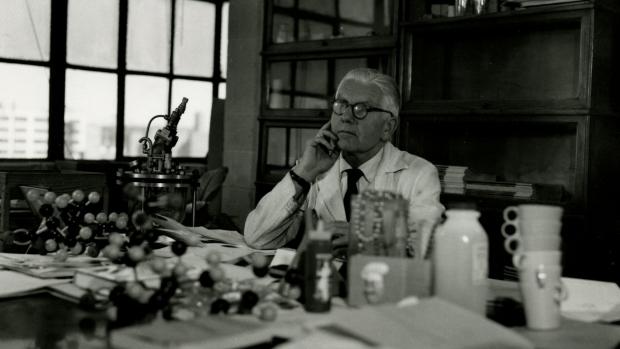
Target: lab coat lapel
391, 163
329, 196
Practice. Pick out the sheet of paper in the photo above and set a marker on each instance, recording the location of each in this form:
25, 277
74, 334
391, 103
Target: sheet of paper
590, 300
45, 266
13, 283
227, 236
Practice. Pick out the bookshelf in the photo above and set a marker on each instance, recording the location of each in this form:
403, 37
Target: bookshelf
523, 96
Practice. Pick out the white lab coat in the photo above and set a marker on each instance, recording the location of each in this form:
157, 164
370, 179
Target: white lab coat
278, 216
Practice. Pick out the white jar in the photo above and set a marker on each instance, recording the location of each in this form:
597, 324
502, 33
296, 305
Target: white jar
460, 260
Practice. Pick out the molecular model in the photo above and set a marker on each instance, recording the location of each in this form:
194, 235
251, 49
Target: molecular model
76, 224
181, 297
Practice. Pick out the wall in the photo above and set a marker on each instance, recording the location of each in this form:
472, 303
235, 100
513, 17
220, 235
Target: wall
242, 106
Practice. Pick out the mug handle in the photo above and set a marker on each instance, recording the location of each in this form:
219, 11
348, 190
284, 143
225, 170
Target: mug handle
505, 225
517, 260
508, 210
510, 241
561, 292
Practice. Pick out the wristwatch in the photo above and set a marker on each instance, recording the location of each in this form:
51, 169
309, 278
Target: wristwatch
305, 186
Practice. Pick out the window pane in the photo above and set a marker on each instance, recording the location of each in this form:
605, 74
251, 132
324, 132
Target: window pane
25, 29
193, 128
148, 35
145, 97
221, 92
224, 42
194, 34
92, 33
90, 115
24, 110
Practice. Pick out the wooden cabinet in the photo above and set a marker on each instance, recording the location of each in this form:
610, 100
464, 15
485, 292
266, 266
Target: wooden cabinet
308, 46
524, 96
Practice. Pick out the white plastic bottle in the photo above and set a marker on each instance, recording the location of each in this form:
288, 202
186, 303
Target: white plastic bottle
460, 259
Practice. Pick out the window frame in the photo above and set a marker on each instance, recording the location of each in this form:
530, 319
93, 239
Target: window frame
58, 67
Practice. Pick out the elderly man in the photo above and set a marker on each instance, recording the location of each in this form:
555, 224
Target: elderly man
349, 154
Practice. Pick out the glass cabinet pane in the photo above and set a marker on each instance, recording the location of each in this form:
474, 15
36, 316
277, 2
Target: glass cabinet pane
297, 142
92, 33
25, 29
517, 63
311, 85
315, 81
280, 85
276, 147
503, 152
285, 145
148, 35
307, 20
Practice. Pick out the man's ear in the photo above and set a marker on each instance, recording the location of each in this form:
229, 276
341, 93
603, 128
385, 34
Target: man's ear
388, 129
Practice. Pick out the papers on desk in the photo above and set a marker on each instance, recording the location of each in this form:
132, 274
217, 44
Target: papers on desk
45, 266
13, 284
432, 323
217, 332
591, 301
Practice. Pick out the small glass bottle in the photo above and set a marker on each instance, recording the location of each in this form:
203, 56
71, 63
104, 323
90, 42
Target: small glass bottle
460, 259
318, 271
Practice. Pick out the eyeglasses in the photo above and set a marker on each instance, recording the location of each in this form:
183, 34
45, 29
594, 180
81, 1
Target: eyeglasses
360, 110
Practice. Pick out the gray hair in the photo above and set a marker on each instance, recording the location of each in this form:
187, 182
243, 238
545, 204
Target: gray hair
386, 83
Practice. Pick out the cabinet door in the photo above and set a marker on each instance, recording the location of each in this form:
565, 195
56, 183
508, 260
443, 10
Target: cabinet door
546, 152
309, 20
528, 60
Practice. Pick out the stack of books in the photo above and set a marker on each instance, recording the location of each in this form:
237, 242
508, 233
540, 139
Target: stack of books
509, 189
530, 3
452, 178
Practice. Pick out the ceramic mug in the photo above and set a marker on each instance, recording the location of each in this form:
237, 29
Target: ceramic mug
532, 212
542, 291
519, 243
532, 259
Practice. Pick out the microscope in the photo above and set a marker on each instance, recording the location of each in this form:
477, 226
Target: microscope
158, 184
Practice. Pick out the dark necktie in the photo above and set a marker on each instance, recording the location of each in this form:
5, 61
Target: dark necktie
353, 175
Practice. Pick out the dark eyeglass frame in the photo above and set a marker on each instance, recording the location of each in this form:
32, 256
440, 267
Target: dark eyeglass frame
361, 115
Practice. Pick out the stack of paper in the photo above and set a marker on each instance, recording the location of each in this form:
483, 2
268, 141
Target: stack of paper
591, 301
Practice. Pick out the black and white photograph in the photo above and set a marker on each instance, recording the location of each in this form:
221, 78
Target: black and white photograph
309, 174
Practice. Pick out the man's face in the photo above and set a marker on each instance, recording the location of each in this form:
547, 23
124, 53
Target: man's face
361, 136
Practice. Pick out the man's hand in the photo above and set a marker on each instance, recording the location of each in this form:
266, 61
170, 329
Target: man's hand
340, 238
340, 233
319, 155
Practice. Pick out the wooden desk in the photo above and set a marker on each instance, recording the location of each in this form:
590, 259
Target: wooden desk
44, 321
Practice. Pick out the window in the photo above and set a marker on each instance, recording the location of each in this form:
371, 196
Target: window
117, 64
